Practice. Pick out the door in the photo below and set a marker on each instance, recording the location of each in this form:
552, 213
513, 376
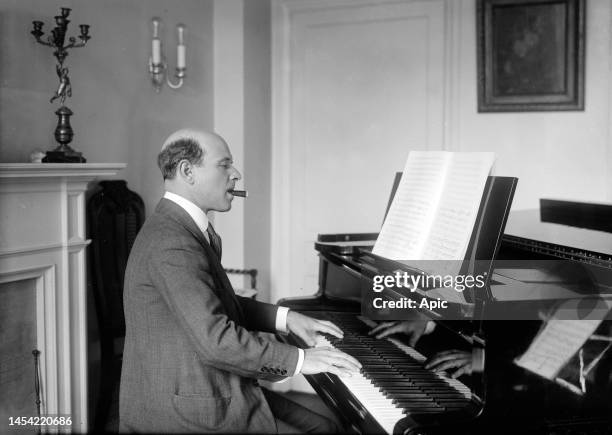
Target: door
356, 86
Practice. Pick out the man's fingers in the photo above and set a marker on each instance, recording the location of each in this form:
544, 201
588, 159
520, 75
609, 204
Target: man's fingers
339, 372
307, 338
448, 365
448, 352
343, 360
329, 328
446, 356
437, 360
394, 329
466, 369
380, 327
414, 338
328, 359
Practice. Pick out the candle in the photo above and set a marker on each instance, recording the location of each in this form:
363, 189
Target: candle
180, 56
156, 51
180, 48
156, 43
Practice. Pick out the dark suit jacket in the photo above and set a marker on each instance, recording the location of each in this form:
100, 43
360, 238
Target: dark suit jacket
191, 359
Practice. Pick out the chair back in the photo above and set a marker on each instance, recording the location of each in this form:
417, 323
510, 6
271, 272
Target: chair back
115, 215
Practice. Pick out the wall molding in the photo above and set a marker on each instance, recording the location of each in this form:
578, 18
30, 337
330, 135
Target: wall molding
71, 246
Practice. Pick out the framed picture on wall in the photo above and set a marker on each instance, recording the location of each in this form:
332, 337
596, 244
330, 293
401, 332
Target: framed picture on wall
530, 55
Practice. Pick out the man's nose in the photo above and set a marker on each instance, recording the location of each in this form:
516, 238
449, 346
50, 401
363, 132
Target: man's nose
236, 175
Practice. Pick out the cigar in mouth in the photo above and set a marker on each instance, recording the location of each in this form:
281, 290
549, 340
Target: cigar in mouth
240, 193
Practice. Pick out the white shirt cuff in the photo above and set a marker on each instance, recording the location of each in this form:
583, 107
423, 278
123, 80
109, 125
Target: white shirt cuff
281, 319
281, 326
300, 362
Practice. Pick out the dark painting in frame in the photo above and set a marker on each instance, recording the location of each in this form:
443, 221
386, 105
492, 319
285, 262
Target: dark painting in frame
530, 55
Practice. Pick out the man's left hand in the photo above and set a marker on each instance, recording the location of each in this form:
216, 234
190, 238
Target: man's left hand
307, 327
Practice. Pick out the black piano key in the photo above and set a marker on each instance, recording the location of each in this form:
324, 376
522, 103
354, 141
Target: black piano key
415, 404
392, 382
399, 389
398, 397
416, 412
386, 377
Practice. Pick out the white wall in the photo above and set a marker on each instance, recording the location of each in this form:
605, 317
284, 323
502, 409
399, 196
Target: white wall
242, 117
229, 116
257, 141
554, 154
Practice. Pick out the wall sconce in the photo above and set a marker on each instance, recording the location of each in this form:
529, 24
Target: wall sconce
157, 63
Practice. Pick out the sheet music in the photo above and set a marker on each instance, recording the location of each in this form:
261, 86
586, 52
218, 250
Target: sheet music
411, 214
435, 207
555, 344
458, 209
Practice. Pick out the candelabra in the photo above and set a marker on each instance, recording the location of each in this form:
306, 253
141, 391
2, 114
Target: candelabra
63, 132
157, 63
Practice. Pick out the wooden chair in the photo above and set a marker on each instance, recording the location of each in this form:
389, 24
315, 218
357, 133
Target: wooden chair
246, 292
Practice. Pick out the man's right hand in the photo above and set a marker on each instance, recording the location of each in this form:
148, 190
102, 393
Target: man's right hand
330, 360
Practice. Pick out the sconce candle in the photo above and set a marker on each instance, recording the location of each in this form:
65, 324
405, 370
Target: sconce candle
156, 51
156, 43
180, 49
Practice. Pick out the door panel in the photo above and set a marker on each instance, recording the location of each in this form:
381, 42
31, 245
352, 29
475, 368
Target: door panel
361, 84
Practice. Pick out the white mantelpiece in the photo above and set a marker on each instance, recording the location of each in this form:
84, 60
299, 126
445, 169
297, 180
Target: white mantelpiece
42, 238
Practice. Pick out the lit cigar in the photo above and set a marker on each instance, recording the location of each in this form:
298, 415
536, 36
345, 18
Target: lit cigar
241, 193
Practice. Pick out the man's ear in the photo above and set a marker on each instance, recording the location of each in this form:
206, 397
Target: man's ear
185, 171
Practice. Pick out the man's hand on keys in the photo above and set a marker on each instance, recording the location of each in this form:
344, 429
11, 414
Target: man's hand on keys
307, 328
330, 360
321, 359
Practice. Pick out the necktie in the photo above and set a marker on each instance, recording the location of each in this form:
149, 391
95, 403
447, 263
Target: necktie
215, 240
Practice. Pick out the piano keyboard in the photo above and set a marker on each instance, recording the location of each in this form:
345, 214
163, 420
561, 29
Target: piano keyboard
393, 383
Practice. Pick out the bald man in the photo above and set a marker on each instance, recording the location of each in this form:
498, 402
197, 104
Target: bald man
192, 357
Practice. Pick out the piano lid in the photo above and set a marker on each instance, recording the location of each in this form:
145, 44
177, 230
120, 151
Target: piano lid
560, 230
527, 224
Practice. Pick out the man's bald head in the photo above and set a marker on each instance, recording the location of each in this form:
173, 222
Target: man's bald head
198, 166
184, 144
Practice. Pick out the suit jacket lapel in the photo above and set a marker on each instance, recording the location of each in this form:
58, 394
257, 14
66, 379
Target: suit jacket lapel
224, 289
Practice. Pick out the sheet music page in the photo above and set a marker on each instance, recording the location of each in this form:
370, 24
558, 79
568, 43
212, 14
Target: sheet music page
555, 344
412, 211
458, 208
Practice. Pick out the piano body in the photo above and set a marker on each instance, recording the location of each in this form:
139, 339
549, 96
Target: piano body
395, 394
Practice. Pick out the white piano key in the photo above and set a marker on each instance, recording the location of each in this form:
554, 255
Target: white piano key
386, 413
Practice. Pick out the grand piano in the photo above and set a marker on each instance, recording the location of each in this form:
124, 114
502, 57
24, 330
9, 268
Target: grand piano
394, 393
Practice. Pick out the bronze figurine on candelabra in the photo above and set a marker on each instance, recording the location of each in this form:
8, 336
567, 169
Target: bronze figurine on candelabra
63, 132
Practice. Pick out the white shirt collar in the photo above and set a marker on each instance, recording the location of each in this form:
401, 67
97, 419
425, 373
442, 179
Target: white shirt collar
196, 213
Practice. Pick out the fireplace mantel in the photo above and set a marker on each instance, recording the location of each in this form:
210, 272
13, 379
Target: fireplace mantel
61, 170
43, 242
